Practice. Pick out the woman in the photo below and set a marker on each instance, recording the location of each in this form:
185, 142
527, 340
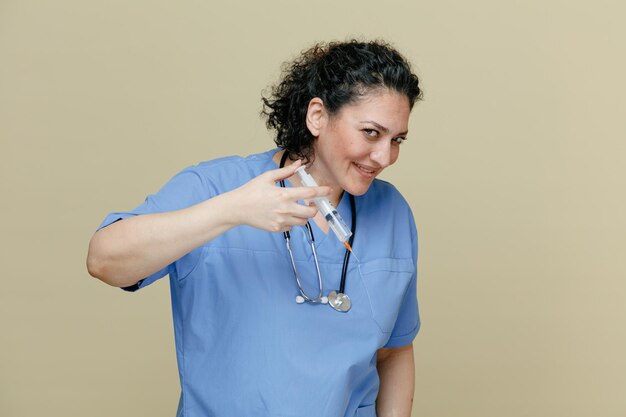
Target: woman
244, 346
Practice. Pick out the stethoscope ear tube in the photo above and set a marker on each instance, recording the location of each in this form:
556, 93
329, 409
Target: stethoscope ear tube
303, 295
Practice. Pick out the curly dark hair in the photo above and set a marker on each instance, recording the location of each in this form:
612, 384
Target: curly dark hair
338, 73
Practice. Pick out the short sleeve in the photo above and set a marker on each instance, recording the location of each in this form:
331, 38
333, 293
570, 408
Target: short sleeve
185, 189
408, 322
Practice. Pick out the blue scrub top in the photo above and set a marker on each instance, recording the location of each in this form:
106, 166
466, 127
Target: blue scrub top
243, 345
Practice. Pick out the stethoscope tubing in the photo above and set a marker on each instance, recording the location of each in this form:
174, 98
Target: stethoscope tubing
346, 258
320, 298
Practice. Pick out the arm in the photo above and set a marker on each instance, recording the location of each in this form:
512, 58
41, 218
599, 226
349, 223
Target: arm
131, 249
396, 370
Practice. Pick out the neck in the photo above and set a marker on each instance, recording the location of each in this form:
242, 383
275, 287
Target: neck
317, 173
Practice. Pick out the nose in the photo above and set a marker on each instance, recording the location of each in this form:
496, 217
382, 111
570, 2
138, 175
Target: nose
381, 154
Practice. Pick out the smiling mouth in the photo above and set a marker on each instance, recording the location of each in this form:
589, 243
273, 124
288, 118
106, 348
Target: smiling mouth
365, 171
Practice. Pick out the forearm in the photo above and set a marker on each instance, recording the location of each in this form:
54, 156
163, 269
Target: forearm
131, 249
396, 371
126, 251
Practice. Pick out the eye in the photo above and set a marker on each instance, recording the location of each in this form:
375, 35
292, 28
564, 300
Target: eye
371, 133
399, 139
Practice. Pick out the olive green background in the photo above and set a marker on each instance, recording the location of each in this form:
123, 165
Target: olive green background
515, 169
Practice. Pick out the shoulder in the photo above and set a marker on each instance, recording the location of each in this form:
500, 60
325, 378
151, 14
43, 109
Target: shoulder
384, 196
251, 164
385, 224
231, 171
384, 205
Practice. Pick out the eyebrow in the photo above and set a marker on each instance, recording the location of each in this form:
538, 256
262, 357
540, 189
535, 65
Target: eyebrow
381, 127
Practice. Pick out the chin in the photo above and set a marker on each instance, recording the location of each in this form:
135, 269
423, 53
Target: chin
358, 190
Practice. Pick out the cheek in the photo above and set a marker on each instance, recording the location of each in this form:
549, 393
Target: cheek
352, 149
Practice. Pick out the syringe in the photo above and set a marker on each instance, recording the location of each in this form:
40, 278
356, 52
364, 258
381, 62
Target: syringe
328, 211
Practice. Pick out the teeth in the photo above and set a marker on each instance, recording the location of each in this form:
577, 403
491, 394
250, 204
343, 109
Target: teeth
364, 169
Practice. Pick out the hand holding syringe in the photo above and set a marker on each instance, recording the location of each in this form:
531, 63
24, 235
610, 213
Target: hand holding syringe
330, 214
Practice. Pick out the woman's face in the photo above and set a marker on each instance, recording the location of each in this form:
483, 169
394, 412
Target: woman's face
354, 145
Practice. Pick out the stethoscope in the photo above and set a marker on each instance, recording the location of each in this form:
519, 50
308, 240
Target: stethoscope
338, 300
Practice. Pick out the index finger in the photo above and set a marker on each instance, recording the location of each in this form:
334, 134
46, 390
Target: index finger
285, 172
307, 193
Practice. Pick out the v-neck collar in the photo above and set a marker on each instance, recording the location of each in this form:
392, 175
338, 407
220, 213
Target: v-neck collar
318, 234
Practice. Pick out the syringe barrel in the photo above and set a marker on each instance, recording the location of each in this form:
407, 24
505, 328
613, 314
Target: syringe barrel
305, 178
338, 226
334, 219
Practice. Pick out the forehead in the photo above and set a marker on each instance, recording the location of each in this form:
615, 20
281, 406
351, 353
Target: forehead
385, 107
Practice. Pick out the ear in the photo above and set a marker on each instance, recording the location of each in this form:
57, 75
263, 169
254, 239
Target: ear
315, 116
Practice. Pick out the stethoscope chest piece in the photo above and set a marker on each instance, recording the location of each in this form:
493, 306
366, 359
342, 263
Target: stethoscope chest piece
338, 301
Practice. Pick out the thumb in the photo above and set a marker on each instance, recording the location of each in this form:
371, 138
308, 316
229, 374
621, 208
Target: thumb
284, 172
